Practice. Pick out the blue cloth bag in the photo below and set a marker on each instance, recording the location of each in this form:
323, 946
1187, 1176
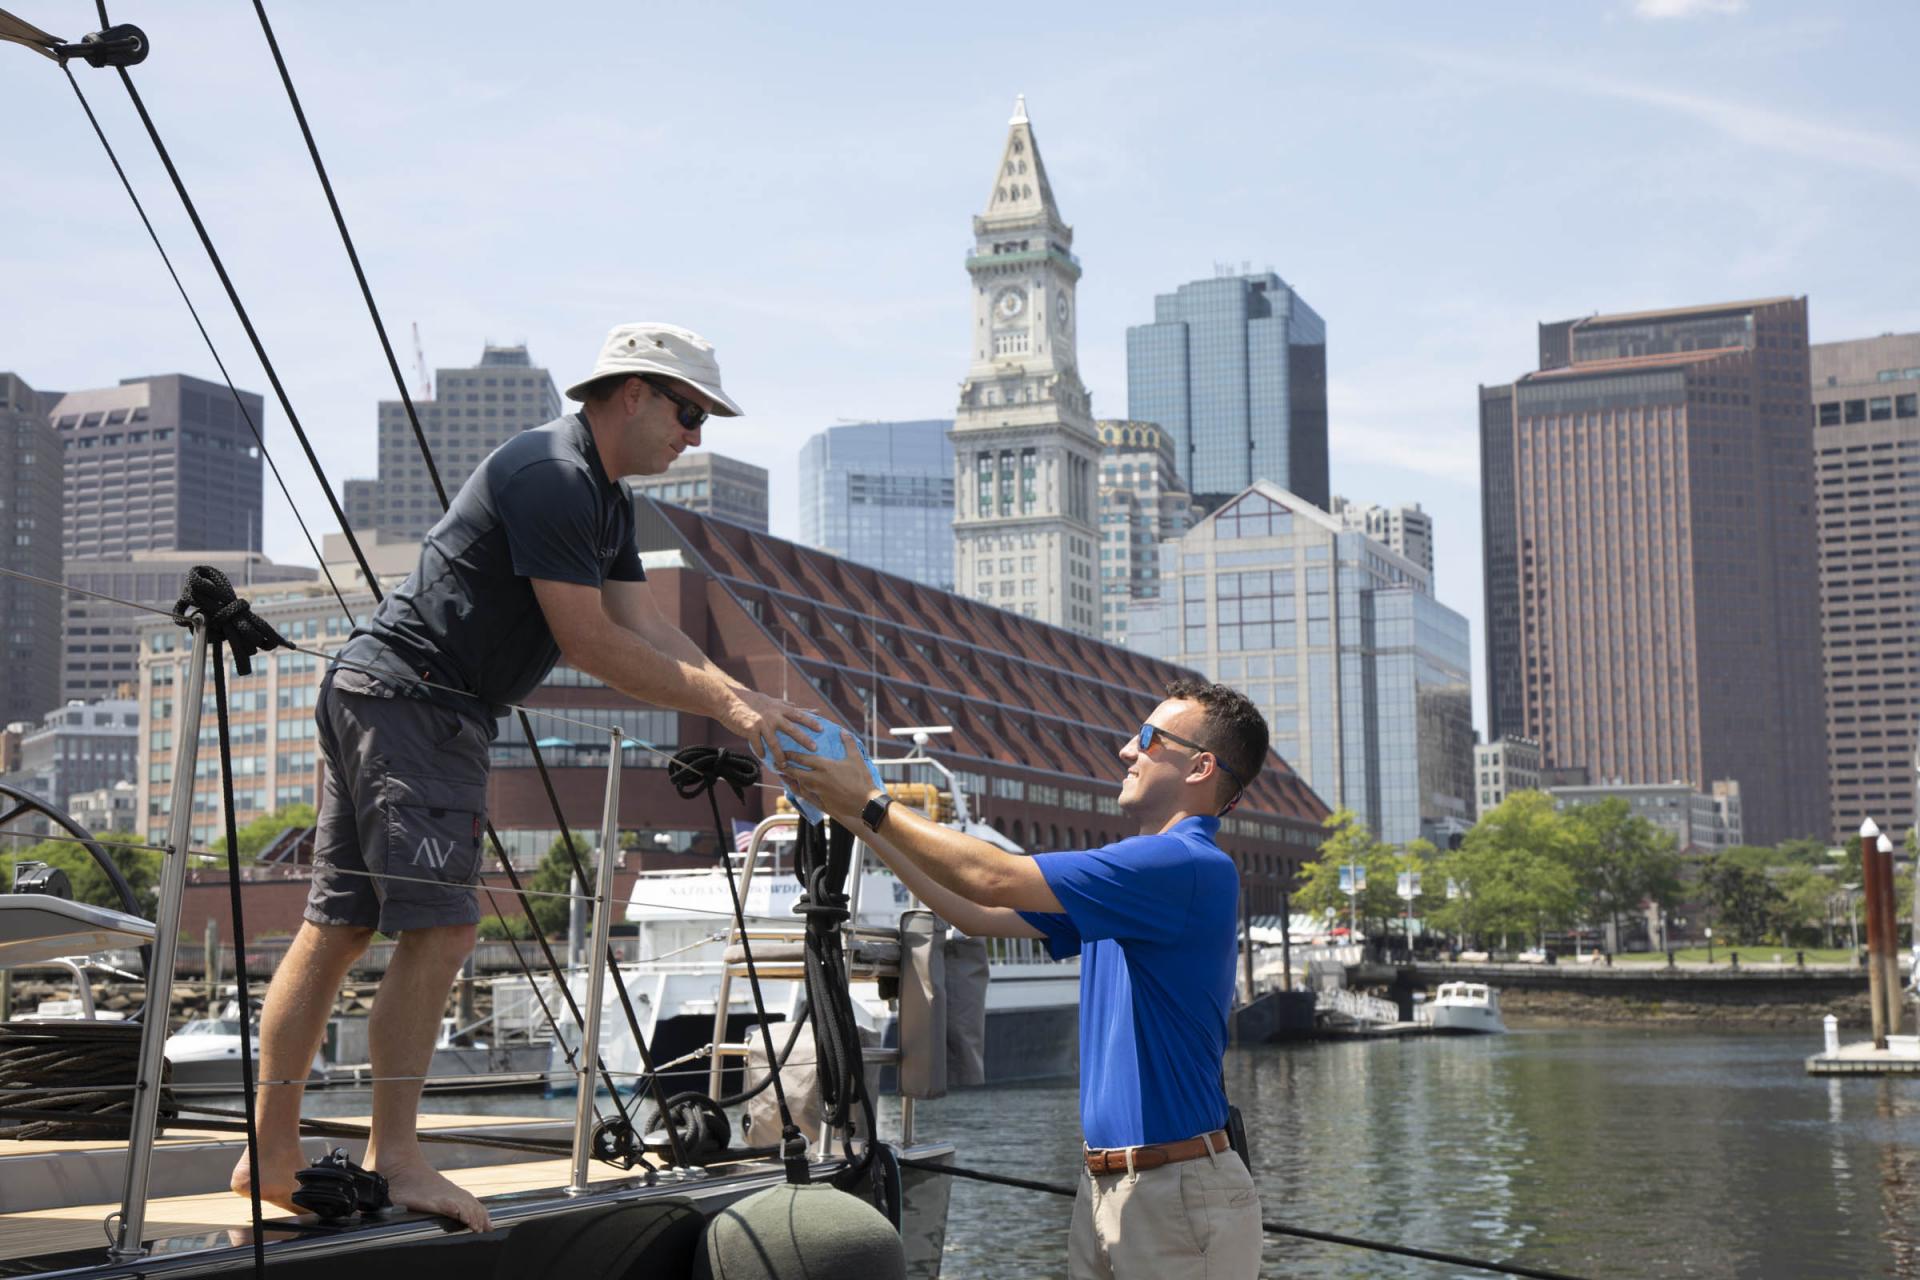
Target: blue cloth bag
830, 745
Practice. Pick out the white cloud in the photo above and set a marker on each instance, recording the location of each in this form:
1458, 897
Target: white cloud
1658, 10
1765, 128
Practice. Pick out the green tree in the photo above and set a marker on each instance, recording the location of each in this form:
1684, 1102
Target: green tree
1512, 871
554, 875
265, 829
1747, 903
1350, 842
140, 866
1805, 895
494, 928
1618, 861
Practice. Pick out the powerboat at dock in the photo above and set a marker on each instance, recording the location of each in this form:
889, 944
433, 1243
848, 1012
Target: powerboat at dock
1464, 1008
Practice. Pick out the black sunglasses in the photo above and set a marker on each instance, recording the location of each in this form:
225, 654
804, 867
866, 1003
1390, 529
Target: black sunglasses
1151, 733
691, 415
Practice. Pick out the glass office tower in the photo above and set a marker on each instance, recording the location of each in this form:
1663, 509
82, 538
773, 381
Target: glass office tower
1235, 369
881, 494
1361, 673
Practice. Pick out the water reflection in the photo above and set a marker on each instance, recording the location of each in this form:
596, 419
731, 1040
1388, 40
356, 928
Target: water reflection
1603, 1153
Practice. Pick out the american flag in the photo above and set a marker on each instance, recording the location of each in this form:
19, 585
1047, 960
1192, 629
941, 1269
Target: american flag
742, 835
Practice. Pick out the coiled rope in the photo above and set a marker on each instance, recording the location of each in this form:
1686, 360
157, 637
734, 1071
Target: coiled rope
79, 1056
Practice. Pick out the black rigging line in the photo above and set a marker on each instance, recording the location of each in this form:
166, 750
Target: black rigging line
246, 321
194, 311
240, 311
426, 453
353, 256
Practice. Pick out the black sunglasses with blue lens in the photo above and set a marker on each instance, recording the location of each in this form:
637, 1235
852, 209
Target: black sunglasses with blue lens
1151, 733
691, 415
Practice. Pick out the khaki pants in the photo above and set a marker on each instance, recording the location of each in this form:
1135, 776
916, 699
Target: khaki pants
1195, 1220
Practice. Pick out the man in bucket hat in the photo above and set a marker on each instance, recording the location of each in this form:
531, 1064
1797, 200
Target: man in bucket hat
534, 560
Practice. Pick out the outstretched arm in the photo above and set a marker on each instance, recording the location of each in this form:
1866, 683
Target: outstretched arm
970, 868
668, 675
968, 917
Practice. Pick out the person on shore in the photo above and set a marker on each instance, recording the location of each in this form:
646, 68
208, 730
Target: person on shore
1154, 919
534, 559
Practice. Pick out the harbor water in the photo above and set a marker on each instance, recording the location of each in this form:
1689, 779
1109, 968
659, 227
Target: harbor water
1603, 1153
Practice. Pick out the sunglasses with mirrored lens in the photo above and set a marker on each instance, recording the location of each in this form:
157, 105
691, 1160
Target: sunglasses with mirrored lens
691, 415
1151, 733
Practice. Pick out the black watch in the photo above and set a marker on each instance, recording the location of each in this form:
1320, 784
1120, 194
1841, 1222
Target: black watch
876, 812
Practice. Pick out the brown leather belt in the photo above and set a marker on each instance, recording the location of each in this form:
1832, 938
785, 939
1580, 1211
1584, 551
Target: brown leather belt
1114, 1159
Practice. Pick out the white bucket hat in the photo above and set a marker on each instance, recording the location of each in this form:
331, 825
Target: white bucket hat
664, 349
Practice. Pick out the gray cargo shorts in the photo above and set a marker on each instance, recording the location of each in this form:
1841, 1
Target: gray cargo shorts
397, 844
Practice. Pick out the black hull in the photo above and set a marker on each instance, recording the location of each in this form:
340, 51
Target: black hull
619, 1231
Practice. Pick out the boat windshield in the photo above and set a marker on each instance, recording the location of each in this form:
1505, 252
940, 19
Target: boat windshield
211, 1027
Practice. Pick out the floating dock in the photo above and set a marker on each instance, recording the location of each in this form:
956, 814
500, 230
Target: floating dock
1863, 1059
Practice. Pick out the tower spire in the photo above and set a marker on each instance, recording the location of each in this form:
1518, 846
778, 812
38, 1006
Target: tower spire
1020, 187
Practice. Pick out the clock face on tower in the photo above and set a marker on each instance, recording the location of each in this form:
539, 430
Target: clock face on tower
1009, 304
1062, 313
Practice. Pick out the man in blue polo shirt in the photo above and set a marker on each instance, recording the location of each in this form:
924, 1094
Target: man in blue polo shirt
533, 560
1154, 920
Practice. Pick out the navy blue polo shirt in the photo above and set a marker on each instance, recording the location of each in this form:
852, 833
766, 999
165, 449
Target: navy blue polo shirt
1154, 920
539, 506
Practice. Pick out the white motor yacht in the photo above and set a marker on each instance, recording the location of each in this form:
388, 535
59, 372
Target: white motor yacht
1468, 1008
206, 1051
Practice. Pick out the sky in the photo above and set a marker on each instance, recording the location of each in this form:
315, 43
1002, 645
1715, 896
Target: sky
796, 183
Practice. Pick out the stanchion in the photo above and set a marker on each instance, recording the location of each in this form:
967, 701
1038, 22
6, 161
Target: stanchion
166, 942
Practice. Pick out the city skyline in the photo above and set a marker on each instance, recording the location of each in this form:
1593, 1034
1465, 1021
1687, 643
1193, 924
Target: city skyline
1424, 291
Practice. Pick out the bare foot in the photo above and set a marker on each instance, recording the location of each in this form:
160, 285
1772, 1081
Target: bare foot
424, 1189
278, 1163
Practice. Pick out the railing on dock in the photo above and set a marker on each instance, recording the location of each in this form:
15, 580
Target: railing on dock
1359, 1008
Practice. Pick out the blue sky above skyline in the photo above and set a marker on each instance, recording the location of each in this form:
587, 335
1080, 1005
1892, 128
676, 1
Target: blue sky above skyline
797, 185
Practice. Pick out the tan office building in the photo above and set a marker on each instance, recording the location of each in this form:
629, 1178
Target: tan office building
1866, 444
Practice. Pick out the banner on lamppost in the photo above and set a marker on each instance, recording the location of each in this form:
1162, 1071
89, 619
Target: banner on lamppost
1409, 886
1353, 880
1453, 888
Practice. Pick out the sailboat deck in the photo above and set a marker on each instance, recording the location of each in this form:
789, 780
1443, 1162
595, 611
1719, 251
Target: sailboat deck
65, 1227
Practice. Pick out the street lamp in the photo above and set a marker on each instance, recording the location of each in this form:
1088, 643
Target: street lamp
1353, 883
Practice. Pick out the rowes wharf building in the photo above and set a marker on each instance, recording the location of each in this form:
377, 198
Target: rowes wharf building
1038, 716
1038, 712
1653, 606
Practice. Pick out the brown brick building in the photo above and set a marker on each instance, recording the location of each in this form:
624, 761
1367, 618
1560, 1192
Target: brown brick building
1650, 556
1866, 443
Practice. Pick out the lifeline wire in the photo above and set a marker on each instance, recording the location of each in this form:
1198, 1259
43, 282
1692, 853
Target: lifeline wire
1271, 1228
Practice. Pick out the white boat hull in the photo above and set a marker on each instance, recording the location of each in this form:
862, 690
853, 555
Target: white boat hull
1466, 1019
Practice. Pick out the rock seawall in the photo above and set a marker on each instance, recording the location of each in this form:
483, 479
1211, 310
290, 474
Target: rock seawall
1752, 1008
1774, 996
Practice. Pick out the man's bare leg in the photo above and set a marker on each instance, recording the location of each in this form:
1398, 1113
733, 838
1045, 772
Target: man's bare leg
294, 1018
401, 1032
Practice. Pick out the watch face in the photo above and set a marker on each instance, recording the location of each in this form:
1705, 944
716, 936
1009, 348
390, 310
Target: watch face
1010, 304
1062, 313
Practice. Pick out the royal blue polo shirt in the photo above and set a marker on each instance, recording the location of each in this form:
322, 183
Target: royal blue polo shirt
1154, 920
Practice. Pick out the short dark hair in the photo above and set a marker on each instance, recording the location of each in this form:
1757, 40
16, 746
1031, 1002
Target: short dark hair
1236, 731
602, 389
